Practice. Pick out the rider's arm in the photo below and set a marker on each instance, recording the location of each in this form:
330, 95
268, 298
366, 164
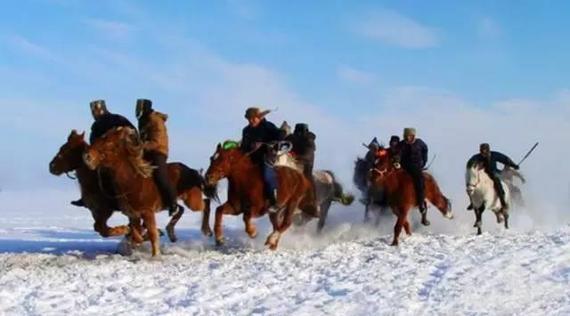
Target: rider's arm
424, 153
505, 160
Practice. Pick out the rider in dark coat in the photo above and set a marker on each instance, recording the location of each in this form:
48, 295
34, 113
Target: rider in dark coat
104, 121
255, 137
489, 160
304, 147
414, 155
370, 157
394, 149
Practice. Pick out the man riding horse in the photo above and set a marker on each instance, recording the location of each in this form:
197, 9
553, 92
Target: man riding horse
154, 135
413, 156
255, 136
489, 161
303, 150
104, 121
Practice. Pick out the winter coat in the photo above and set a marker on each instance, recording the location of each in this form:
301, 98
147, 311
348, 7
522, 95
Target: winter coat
152, 128
414, 155
303, 146
265, 132
491, 162
105, 123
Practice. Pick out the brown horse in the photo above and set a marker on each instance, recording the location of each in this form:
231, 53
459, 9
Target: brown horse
398, 188
245, 193
120, 152
70, 158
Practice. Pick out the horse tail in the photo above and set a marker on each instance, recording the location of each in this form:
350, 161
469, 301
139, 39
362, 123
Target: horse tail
338, 191
434, 194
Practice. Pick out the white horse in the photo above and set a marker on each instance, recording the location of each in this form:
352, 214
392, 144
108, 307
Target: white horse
328, 189
481, 192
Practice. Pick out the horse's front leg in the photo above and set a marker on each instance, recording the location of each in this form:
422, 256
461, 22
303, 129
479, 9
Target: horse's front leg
101, 217
479, 219
170, 227
225, 208
402, 217
325, 206
206, 230
250, 227
150, 224
136, 231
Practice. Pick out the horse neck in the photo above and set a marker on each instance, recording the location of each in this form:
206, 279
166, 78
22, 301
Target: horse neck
125, 176
241, 173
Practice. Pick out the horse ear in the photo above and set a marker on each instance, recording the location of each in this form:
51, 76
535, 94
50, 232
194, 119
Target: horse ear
82, 135
219, 148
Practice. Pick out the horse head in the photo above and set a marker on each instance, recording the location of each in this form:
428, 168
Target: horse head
382, 166
222, 162
68, 158
118, 145
473, 177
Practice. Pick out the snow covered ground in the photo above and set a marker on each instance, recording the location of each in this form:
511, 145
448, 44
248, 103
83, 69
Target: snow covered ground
51, 263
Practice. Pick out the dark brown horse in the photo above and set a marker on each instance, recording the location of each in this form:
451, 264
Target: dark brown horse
120, 153
399, 191
70, 158
245, 193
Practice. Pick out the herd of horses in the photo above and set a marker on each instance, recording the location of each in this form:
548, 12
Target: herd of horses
113, 176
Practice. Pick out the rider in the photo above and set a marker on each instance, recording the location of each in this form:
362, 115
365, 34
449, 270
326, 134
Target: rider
304, 148
414, 154
394, 149
370, 157
152, 128
489, 160
258, 133
104, 121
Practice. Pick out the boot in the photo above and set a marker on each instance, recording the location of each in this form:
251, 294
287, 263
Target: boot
504, 205
272, 199
78, 203
423, 211
470, 207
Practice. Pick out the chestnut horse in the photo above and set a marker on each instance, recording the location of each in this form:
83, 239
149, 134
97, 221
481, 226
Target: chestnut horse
245, 192
398, 188
120, 152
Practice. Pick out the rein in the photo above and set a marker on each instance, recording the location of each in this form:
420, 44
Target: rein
70, 176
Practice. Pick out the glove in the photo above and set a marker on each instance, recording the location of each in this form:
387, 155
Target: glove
516, 167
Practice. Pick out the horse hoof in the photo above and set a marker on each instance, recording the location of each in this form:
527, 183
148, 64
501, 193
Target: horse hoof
207, 232
220, 242
425, 222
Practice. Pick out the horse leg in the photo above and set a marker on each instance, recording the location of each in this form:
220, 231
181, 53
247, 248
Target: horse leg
136, 232
274, 236
206, 230
101, 217
407, 228
367, 212
435, 197
506, 216
250, 228
325, 206
170, 227
225, 208
399, 224
479, 219
152, 231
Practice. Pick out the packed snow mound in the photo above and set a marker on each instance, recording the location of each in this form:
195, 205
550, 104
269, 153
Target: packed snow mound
499, 273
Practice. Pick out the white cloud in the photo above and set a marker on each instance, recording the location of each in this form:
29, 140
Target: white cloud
488, 28
111, 29
26, 46
395, 29
354, 75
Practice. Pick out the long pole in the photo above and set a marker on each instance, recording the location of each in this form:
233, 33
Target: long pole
528, 153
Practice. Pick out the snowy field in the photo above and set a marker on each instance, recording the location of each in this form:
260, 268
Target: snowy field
52, 263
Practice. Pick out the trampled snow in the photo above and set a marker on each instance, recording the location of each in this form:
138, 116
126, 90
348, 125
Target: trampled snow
56, 265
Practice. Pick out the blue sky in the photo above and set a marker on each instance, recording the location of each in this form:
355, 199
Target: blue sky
351, 69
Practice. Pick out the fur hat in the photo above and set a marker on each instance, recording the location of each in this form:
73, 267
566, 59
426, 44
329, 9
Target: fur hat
374, 143
255, 112
484, 147
301, 128
394, 138
409, 131
144, 106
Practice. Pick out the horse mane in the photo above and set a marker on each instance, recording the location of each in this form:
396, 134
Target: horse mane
135, 156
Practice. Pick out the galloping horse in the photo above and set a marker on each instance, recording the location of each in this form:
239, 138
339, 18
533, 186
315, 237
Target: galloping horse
70, 158
120, 152
398, 188
245, 192
483, 196
328, 189
373, 197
